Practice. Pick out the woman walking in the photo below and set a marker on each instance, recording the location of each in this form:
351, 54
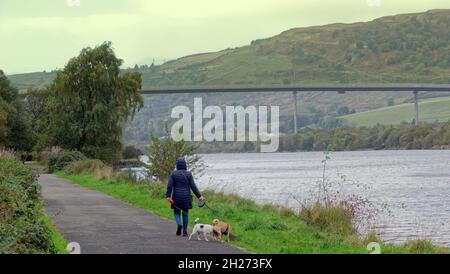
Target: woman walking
181, 182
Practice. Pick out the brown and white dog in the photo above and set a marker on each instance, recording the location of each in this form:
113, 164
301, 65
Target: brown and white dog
221, 228
205, 230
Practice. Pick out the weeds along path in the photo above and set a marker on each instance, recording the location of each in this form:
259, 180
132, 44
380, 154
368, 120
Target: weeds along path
102, 224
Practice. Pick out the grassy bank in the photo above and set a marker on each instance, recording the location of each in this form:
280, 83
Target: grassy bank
431, 110
57, 238
258, 228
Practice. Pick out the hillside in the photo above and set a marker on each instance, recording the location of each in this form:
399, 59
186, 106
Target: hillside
402, 48
431, 110
407, 48
25, 81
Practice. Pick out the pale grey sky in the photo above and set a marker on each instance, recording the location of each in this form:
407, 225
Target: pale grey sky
39, 35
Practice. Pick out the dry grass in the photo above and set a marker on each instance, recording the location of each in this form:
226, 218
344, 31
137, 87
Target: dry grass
421, 246
99, 170
335, 219
48, 153
7, 153
84, 166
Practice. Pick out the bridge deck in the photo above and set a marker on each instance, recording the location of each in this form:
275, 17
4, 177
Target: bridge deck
415, 88
340, 89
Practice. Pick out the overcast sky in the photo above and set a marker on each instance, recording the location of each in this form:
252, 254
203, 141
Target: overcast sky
37, 35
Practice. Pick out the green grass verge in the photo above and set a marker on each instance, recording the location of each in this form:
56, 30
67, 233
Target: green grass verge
430, 110
57, 238
258, 228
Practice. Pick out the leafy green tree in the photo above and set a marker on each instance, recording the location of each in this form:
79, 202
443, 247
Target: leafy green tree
15, 128
3, 120
329, 122
390, 101
36, 104
90, 102
343, 111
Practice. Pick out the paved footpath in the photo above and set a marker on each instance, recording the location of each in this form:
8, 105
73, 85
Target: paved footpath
102, 224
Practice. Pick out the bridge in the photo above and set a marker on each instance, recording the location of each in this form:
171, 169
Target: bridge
414, 88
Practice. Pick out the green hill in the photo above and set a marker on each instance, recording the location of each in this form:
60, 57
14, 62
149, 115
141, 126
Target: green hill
430, 110
26, 81
401, 48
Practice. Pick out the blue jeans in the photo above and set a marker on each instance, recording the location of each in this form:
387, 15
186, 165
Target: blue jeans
177, 213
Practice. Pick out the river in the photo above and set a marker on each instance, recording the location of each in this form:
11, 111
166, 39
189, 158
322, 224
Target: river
413, 185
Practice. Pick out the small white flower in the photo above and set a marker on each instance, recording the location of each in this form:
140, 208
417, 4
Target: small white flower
73, 3
374, 3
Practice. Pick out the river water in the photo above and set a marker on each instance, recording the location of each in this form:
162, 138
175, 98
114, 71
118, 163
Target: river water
414, 186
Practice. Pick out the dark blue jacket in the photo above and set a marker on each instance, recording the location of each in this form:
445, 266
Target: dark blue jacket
180, 184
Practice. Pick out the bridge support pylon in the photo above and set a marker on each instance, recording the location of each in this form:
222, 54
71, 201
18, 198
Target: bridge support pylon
295, 111
416, 107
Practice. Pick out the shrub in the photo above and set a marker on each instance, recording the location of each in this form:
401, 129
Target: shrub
421, 247
127, 176
48, 153
7, 153
334, 219
21, 175
63, 159
130, 152
21, 228
163, 154
99, 170
333, 208
87, 166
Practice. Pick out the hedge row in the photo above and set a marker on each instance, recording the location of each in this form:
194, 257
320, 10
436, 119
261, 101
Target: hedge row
22, 229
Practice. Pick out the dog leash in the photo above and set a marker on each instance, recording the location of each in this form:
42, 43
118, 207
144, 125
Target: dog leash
227, 231
200, 203
203, 203
213, 210
172, 202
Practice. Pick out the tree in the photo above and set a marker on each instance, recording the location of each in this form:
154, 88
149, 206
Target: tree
15, 129
90, 102
360, 45
163, 153
3, 121
390, 101
329, 122
343, 111
36, 104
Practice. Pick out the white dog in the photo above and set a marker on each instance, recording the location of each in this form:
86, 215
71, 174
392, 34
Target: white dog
206, 230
